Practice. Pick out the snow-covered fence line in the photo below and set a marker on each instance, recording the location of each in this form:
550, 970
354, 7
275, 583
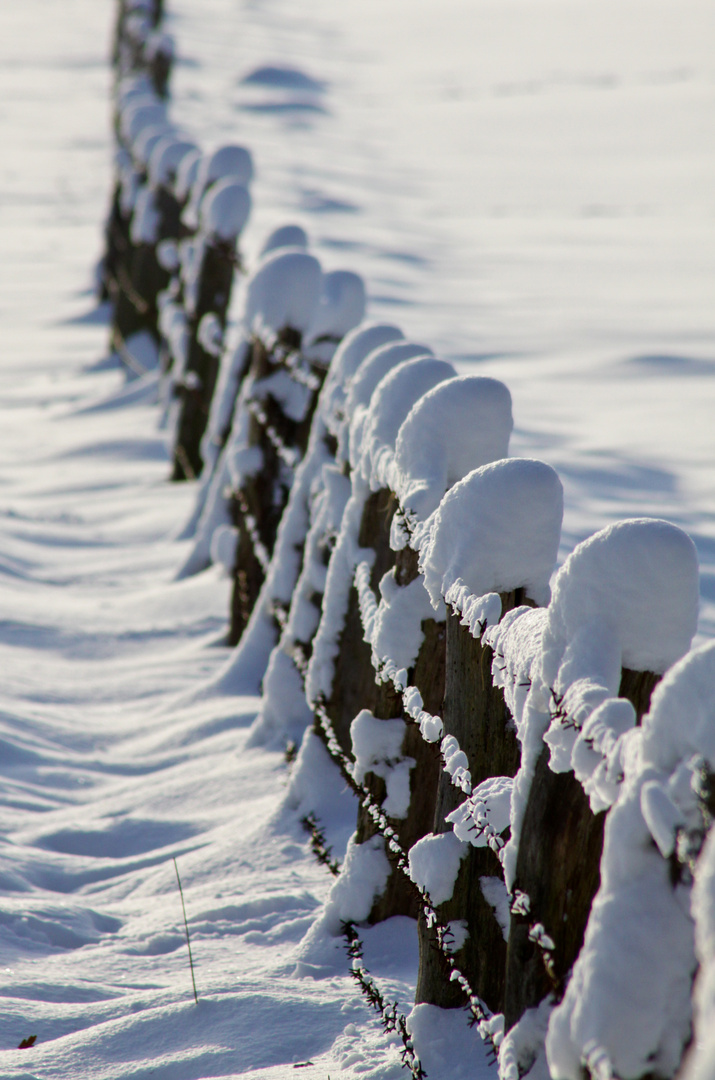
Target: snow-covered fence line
391, 571
518, 857
172, 235
260, 424
142, 58
540, 704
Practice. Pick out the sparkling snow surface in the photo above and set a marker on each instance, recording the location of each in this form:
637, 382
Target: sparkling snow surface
526, 187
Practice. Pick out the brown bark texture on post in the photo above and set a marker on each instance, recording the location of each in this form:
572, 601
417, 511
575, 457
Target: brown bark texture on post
201, 371
136, 305
475, 713
428, 675
354, 686
256, 508
558, 868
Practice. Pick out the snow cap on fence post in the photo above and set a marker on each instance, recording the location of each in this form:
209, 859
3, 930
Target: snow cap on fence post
186, 174
457, 426
390, 403
370, 372
350, 353
141, 113
145, 143
681, 718
233, 161
285, 236
341, 306
626, 597
639, 579
496, 530
166, 158
225, 210
133, 87
283, 292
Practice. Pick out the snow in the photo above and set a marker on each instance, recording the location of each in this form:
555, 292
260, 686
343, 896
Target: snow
457, 426
681, 719
642, 936
638, 951
445, 1052
186, 174
495, 894
496, 530
142, 114
144, 228
525, 186
377, 748
283, 292
147, 140
224, 544
228, 161
390, 403
285, 236
210, 334
362, 880
376, 366
435, 862
353, 349
397, 630
625, 598
225, 209
167, 158
341, 306
485, 814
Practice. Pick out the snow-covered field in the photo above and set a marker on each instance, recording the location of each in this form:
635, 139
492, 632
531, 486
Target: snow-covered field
527, 187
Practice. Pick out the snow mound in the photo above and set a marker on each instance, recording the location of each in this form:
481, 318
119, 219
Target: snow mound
146, 142
357, 344
141, 112
186, 174
166, 159
374, 368
341, 306
625, 598
233, 161
390, 403
282, 237
283, 292
456, 427
225, 210
496, 530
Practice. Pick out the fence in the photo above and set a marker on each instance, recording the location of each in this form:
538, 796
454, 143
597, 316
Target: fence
531, 789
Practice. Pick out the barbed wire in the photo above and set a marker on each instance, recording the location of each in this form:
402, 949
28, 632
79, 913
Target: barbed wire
480, 1015
259, 549
289, 455
292, 362
391, 1019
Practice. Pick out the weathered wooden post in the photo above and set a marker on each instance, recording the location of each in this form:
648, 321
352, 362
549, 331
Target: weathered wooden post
497, 531
296, 308
141, 120
224, 212
350, 685
611, 597
155, 219
460, 424
292, 597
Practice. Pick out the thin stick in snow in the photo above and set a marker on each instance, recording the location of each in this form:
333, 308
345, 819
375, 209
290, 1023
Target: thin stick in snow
186, 927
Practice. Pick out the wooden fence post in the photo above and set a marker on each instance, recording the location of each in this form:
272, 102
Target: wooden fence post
558, 869
256, 507
399, 896
476, 715
354, 687
219, 259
